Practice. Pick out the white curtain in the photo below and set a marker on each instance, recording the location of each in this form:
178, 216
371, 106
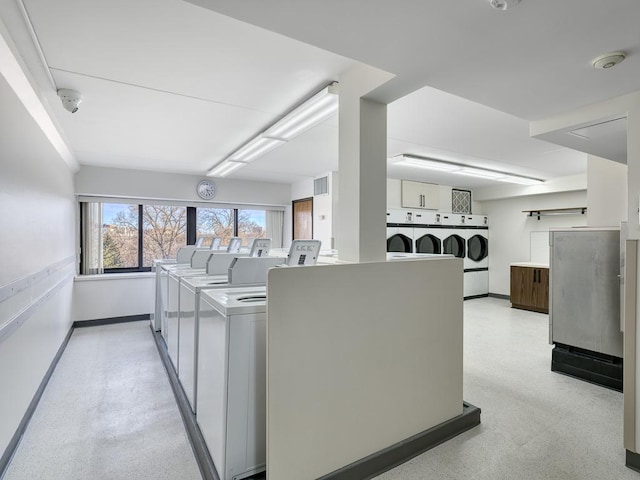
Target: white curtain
92, 238
275, 223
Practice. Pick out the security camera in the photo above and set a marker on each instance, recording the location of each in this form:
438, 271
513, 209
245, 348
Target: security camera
70, 99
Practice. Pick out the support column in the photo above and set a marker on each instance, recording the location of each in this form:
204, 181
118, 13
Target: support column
362, 167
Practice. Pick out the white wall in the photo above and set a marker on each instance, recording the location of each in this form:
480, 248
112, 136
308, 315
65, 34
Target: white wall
324, 209
346, 378
172, 186
109, 296
607, 192
38, 230
510, 230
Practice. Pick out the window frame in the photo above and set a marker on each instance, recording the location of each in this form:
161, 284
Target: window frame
191, 232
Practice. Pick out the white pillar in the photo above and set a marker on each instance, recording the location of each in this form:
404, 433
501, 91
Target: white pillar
362, 167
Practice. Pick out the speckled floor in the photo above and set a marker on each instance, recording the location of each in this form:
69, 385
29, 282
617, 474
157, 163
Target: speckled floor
536, 424
108, 412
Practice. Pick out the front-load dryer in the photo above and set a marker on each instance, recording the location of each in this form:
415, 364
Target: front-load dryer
454, 244
427, 240
400, 239
477, 249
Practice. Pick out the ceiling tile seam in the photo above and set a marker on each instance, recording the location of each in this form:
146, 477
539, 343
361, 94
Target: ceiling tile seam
193, 97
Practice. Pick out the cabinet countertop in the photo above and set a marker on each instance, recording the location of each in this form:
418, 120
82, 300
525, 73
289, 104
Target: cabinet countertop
530, 264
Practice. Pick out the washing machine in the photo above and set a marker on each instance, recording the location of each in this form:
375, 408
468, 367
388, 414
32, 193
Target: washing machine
242, 272
231, 372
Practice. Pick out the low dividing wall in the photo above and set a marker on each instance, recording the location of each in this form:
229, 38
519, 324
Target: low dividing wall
359, 357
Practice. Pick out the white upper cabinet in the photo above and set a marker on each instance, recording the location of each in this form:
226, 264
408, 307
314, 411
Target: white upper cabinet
420, 195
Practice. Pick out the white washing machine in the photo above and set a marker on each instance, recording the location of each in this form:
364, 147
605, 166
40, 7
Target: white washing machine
243, 271
231, 372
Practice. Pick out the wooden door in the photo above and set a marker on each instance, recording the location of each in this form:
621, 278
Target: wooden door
522, 286
302, 219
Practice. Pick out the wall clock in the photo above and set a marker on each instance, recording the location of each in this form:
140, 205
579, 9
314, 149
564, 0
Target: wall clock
206, 189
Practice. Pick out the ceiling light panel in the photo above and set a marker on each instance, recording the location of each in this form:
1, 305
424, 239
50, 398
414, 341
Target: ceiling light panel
255, 148
312, 112
458, 169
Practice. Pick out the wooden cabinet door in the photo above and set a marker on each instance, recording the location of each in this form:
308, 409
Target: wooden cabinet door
542, 290
522, 286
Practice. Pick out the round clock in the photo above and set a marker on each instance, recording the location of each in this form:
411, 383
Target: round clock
206, 189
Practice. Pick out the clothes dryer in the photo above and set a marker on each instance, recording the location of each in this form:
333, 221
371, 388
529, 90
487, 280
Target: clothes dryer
400, 239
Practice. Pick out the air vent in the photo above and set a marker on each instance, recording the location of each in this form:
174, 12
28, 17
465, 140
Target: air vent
321, 186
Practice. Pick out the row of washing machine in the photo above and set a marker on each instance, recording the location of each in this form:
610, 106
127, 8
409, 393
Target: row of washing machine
464, 236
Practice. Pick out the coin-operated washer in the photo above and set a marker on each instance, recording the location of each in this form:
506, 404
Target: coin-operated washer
231, 371
243, 271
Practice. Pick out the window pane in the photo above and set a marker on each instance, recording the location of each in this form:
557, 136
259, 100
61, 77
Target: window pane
119, 235
251, 224
214, 222
165, 231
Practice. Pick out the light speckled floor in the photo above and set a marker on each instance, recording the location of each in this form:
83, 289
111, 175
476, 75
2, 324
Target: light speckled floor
107, 413
536, 424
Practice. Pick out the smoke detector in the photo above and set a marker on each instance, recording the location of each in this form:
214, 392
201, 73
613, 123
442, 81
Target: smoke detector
503, 4
608, 60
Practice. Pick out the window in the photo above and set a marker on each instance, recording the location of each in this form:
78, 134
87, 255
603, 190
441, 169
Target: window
164, 231
120, 237
215, 222
251, 224
127, 237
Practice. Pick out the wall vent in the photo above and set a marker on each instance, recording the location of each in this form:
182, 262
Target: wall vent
321, 186
460, 201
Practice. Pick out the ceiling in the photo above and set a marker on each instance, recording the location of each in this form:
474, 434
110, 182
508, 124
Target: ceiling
170, 86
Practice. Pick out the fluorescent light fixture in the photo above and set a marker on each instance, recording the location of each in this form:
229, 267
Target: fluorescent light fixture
459, 169
312, 112
225, 168
12, 72
480, 173
428, 165
256, 147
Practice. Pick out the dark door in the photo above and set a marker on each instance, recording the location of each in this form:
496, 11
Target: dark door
454, 245
302, 219
477, 248
399, 243
428, 244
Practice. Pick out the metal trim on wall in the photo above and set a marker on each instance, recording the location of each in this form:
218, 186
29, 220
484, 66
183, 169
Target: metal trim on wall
630, 357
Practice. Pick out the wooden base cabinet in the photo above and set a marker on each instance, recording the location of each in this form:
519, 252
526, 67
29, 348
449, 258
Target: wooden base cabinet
530, 288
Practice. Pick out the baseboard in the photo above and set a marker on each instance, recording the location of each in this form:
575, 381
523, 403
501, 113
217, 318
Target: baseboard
592, 367
198, 445
388, 458
471, 297
22, 427
632, 460
111, 320
500, 296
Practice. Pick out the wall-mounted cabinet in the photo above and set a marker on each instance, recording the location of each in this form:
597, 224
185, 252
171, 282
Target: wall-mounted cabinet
530, 288
420, 195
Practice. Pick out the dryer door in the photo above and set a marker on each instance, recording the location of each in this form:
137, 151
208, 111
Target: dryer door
477, 248
428, 244
454, 245
399, 243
